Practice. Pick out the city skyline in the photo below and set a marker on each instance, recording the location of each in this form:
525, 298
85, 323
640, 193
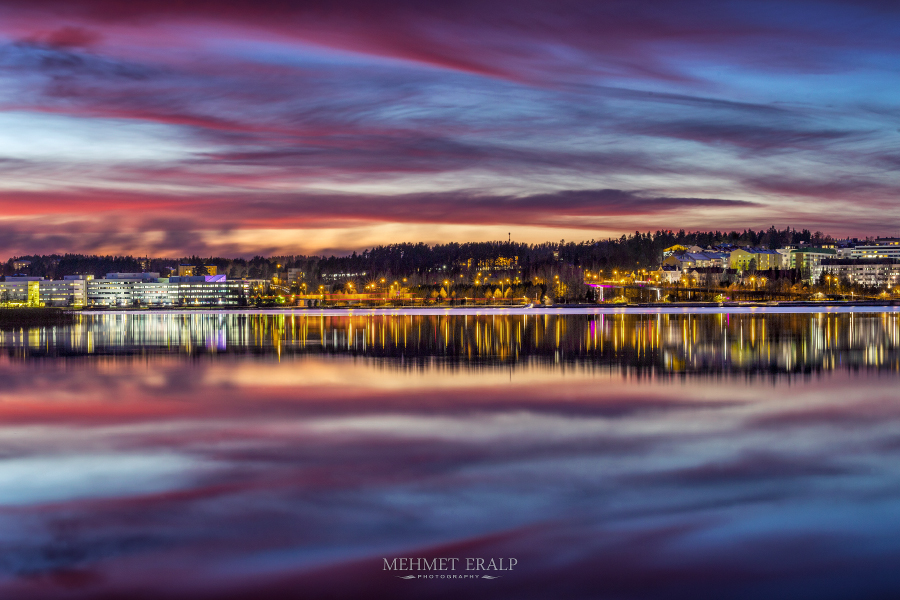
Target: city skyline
238, 128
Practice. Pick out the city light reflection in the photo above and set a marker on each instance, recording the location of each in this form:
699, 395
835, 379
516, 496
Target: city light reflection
637, 343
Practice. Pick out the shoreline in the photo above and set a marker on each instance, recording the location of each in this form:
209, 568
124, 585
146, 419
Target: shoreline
569, 309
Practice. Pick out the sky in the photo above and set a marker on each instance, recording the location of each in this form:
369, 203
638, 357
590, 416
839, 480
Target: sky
241, 127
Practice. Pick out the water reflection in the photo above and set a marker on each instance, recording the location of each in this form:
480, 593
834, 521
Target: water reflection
298, 456
663, 343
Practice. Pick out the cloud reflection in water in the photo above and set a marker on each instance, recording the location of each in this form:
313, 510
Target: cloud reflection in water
251, 471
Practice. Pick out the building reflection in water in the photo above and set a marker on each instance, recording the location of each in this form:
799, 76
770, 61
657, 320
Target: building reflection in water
662, 343
268, 456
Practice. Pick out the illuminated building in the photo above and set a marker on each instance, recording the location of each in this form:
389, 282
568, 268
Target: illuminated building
70, 291
149, 289
676, 249
807, 261
201, 271
688, 260
501, 263
21, 290
295, 275
666, 274
748, 259
887, 249
871, 272
37, 291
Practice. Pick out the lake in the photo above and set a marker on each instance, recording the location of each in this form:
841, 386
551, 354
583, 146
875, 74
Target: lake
660, 454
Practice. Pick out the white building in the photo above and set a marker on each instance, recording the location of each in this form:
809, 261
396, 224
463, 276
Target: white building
149, 289
117, 289
880, 251
208, 291
69, 291
871, 272
666, 274
124, 290
785, 256
156, 293
37, 291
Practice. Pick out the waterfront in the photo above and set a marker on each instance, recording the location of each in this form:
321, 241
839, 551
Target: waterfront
740, 454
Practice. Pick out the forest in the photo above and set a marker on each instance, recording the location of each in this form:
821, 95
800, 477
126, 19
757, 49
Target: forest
428, 264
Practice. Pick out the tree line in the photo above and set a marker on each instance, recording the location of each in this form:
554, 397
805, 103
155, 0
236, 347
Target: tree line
429, 264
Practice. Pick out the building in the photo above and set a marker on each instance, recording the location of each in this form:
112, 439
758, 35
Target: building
871, 272
334, 277
666, 274
21, 291
18, 265
124, 290
37, 291
156, 293
205, 270
690, 260
891, 241
807, 261
706, 276
501, 263
875, 251
69, 291
676, 249
117, 289
149, 289
185, 270
758, 259
785, 256
295, 276
215, 292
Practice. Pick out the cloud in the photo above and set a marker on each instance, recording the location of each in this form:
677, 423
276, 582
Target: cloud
756, 469
310, 484
70, 37
126, 218
464, 113
56, 59
747, 136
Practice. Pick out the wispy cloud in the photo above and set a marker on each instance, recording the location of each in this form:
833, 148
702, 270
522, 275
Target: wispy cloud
750, 103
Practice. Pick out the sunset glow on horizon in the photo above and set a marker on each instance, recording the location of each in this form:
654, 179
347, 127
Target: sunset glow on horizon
237, 128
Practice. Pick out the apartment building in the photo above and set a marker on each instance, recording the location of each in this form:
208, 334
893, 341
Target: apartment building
871, 272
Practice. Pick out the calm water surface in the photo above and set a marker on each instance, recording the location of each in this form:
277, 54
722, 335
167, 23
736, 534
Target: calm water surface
613, 456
